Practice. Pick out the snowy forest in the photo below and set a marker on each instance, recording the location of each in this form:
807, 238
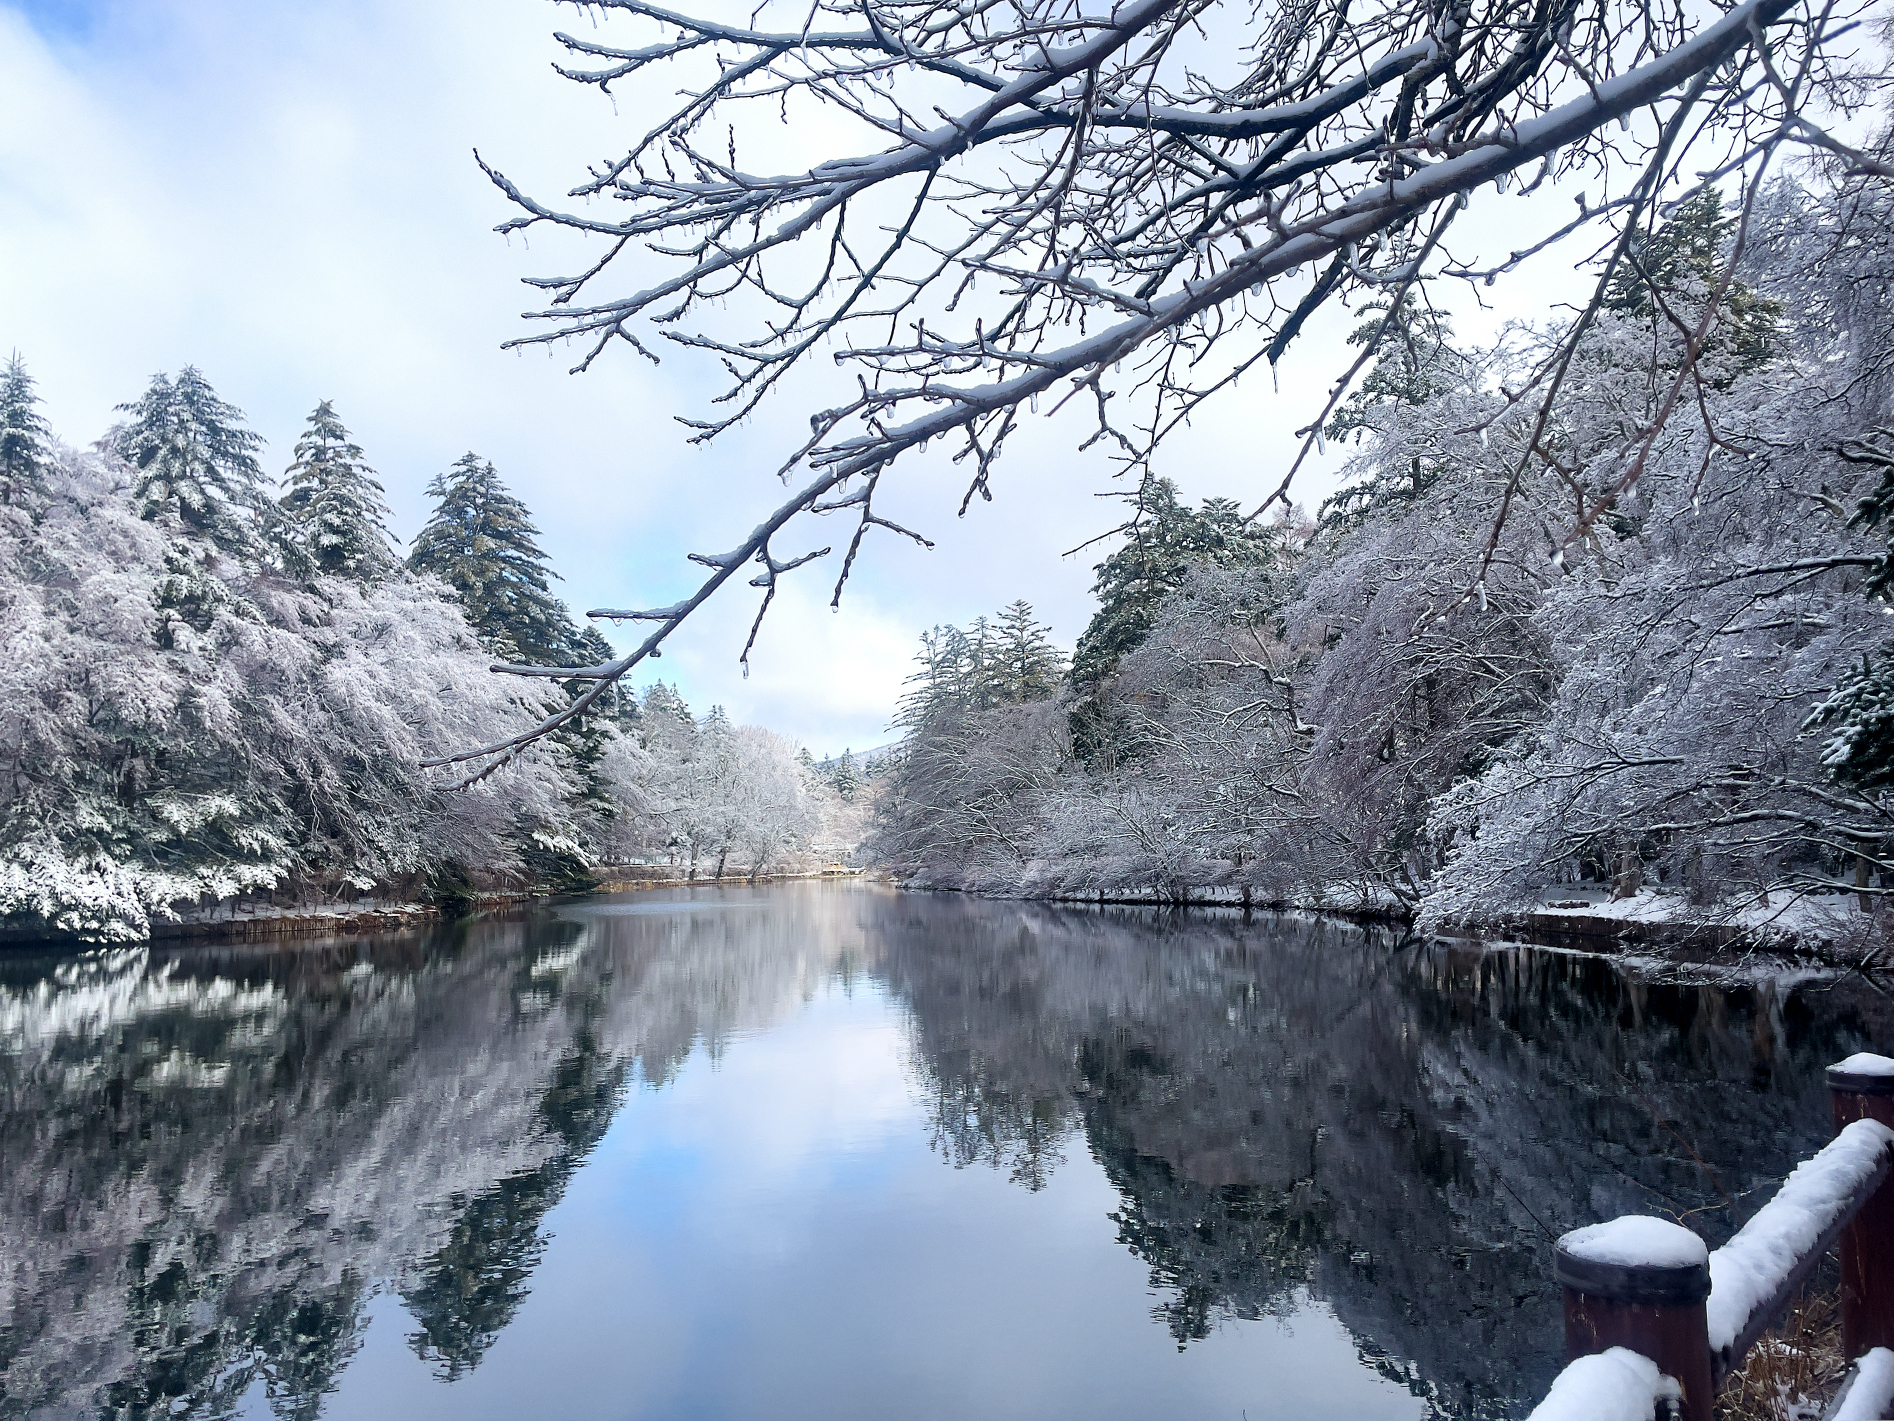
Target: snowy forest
216, 691
1632, 642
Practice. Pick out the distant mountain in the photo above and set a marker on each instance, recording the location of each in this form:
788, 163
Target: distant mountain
862, 758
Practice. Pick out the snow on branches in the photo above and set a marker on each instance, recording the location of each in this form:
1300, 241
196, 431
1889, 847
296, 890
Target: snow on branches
1022, 199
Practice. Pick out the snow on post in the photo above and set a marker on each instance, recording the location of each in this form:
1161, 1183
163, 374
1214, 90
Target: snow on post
1640, 1284
1637, 1241
1753, 1274
1613, 1385
1861, 1094
1871, 1068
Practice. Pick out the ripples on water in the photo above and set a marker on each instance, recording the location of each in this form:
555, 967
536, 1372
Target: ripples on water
832, 1152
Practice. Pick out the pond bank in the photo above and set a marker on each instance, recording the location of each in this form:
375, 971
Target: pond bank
1825, 929
231, 922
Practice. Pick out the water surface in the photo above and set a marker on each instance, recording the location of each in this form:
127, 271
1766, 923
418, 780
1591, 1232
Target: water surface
826, 1151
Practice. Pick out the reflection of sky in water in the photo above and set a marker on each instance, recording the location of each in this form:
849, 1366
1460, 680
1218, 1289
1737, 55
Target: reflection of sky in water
770, 1236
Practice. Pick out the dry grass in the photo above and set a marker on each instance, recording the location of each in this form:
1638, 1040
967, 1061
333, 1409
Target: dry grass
1793, 1371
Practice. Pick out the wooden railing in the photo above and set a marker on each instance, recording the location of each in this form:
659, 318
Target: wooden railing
1654, 1320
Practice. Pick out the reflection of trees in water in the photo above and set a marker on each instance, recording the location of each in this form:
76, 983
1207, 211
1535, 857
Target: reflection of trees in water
470, 1288
1294, 1110
211, 1159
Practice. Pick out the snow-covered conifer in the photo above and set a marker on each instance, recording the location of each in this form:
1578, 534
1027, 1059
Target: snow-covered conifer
193, 458
480, 542
1027, 666
335, 510
25, 440
1164, 541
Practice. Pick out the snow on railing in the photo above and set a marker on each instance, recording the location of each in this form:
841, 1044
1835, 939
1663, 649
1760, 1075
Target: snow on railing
1754, 1275
1652, 1317
1867, 1391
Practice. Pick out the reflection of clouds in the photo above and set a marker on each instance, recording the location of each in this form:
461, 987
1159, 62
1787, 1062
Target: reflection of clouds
1260, 1132
814, 1098
771, 1236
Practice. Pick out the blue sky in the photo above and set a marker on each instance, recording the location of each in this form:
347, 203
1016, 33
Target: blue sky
285, 196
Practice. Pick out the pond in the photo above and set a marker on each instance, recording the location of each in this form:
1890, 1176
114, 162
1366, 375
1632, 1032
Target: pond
833, 1151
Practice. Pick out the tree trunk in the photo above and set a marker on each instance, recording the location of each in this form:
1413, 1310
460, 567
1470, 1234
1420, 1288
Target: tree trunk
1630, 877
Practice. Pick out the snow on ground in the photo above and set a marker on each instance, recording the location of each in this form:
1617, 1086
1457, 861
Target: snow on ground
1810, 915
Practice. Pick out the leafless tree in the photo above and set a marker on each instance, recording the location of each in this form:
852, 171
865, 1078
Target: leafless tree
1129, 205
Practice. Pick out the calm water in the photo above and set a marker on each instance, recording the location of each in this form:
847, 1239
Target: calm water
834, 1152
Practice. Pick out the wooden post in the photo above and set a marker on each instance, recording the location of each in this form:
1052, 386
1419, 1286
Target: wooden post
1653, 1308
1862, 1088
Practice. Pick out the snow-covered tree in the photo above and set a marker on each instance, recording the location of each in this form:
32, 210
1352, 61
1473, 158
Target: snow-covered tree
1678, 261
193, 458
336, 512
726, 798
25, 439
1447, 699
1127, 211
480, 541
1164, 541
181, 726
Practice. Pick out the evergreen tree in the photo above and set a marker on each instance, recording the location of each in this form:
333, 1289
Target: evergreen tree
1167, 540
1026, 665
335, 509
1680, 262
1859, 714
24, 450
195, 459
845, 778
941, 681
1415, 361
669, 730
480, 543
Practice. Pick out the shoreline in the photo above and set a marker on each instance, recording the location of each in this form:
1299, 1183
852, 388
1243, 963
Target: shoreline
1643, 929
227, 923
1652, 938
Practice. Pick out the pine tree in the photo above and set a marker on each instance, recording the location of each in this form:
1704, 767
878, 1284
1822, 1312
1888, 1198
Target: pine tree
195, 459
1680, 262
337, 515
1859, 713
844, 777
940, 683
1414, 362
24, 437
480, 543
1167, 541
1026, 665
669, 729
